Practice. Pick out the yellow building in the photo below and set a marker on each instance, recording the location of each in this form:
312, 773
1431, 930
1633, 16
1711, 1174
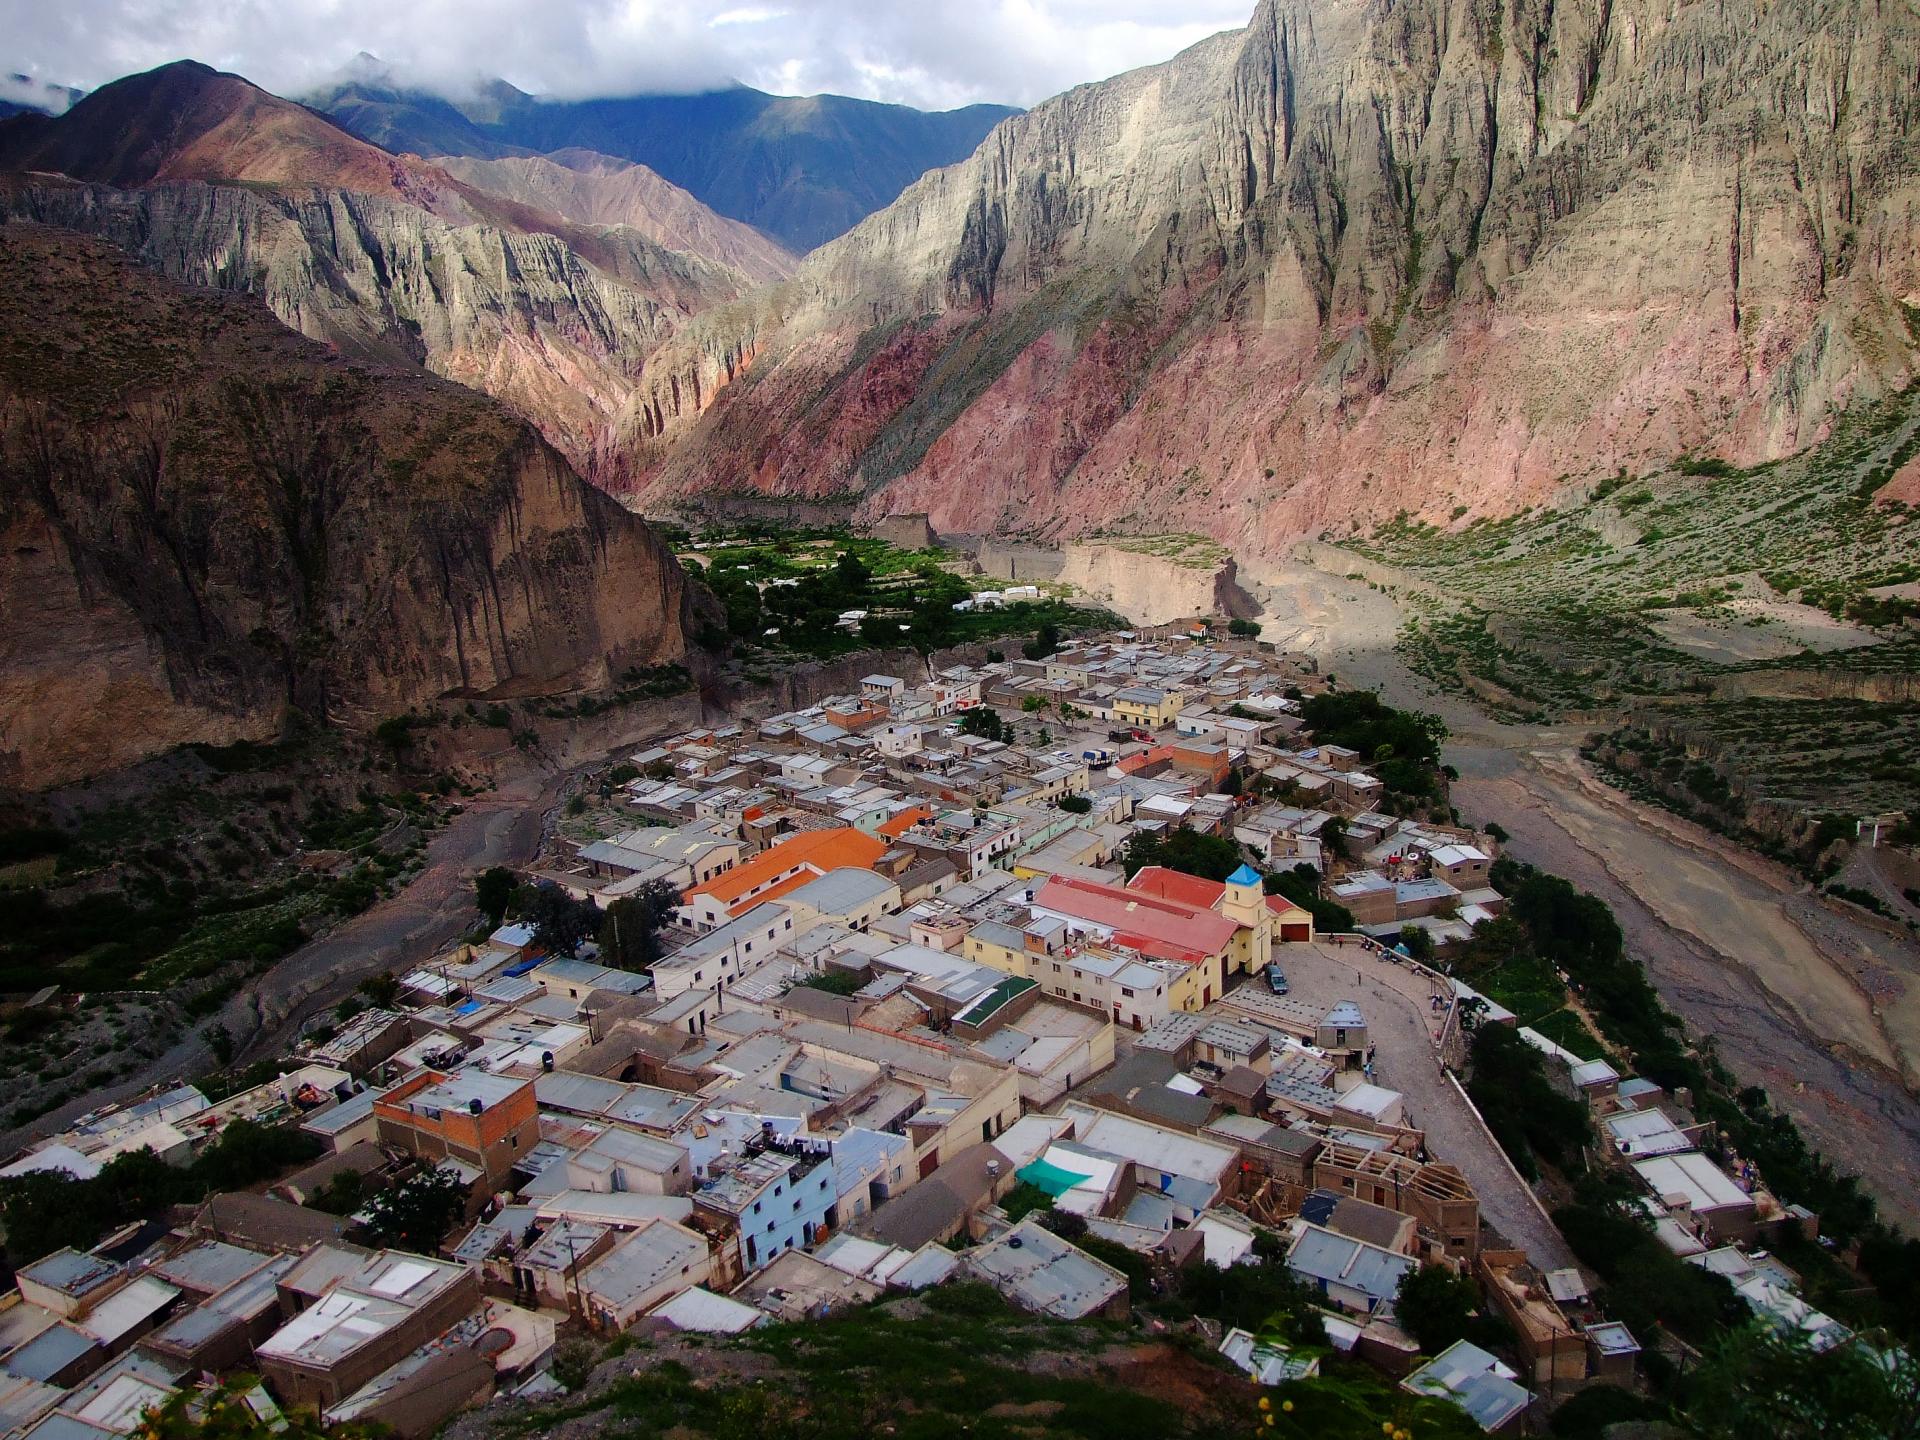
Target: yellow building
1147, 708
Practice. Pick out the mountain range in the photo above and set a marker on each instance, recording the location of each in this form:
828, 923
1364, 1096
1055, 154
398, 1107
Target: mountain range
804, 169
1350, 261
389, 257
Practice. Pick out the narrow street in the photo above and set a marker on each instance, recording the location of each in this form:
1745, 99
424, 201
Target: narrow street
1399, 1023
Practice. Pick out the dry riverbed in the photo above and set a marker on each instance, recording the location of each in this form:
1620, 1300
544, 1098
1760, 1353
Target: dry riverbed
1819, 1007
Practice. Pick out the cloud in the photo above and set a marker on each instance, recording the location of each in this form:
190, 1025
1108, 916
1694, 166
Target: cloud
34, 92
930, 53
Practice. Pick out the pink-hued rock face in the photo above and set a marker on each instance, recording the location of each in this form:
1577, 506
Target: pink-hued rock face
1904, 487
1347, 262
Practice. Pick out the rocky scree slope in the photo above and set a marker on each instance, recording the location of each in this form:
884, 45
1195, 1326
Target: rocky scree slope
209, 524
1354, 259
592, 189
385, 257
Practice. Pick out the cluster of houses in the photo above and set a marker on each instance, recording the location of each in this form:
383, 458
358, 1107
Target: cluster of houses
906, 976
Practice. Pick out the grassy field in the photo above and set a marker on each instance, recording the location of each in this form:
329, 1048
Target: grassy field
1194, 552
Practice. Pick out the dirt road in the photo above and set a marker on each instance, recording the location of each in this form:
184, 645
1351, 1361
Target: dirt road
1716, 942
1821, 1009
501, 828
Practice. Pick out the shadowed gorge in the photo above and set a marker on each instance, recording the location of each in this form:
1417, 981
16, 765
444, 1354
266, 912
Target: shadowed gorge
212, 524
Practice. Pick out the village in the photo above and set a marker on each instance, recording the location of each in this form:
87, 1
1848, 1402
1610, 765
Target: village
1063, 973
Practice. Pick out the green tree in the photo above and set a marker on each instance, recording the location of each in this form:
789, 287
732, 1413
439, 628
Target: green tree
1438, 1308
1587, 1415
1244, 629
1527, 1113
853, 577
880, 630
983, 722
630, 935
1075, 804
382, 989
342, 1195
560, 922
1417, 942
1045, 642
573, 1362
1333, 835
418, 1214
247, 1153
1301, 885
1211, 857
1757, 1381
493, 892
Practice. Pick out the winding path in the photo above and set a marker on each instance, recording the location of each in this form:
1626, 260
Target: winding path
503, 827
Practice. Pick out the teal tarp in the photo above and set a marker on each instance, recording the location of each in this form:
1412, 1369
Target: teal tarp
1050, 1178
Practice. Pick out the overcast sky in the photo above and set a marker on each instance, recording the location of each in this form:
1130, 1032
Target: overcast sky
930, 53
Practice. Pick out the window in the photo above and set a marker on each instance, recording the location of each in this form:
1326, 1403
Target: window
796, 1207
1126, 992
756, 1207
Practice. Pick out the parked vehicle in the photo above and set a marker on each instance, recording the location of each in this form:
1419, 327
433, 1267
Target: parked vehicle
1277, 980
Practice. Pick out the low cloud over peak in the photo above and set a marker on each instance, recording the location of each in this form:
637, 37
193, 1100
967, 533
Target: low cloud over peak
936, 54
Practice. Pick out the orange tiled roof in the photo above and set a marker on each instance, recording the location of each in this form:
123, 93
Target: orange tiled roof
905, 821
841, 847
1177, 885
1281, 905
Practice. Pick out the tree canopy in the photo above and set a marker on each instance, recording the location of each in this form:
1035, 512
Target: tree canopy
560, 922
1438, 1308
630, 934
418, 1214
493, 893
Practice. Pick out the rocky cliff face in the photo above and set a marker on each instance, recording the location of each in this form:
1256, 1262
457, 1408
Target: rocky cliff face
217, 183
208, 524
1354, 259
592, 189
525, 318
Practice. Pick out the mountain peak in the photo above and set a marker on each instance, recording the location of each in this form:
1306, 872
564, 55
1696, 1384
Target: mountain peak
187, 121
